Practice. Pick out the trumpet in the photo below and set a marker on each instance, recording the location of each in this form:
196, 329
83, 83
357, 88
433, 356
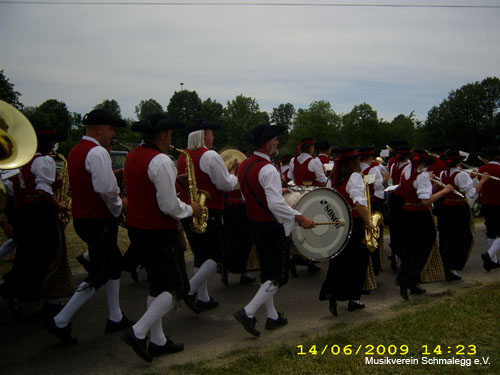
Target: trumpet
441, 183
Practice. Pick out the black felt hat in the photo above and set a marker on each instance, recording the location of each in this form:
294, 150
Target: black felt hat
155, 123
263, 133
202, 125
102, 117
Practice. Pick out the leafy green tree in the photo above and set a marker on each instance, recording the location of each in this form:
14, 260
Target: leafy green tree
283, 115
111, 106
185, 106
147, 107
361, 127
319, 121
212, 110
401, 127
240, 116
469, 118
7, 92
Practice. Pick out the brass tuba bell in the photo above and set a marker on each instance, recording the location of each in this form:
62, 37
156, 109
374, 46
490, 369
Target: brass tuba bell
18, 142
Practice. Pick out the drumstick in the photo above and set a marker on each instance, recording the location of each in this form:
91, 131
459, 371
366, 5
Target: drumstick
340, 222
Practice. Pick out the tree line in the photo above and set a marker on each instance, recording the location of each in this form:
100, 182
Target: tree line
468, 119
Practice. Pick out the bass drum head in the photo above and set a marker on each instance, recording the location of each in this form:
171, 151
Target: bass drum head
324, 241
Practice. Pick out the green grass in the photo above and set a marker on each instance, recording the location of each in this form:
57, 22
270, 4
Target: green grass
469, 317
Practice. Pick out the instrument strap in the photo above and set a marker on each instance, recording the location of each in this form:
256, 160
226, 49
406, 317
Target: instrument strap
245, 182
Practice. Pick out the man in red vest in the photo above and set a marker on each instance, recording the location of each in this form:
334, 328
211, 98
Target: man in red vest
305, 169
271, 222
96, 207
213, 177
490, 199
153, 216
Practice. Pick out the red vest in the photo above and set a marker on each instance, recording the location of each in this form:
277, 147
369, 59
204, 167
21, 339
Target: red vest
324, 159
409, 193
452, 199
234, 197
255, 211
86, 203
391, 162
342, 190
143, 210
203, 181
301, 173
437, 167
396, 176
490, 193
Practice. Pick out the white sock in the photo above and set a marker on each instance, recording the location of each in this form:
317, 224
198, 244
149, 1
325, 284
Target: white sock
495, 246
158, 307
156, 331
207, 269
113, 297
489, 241
86, 255
7, 247
454, 272
266, 291
271, 310
203, 292
195, 270
82, 295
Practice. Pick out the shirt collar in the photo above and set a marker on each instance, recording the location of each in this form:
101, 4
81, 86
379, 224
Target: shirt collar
262, 155
91, 139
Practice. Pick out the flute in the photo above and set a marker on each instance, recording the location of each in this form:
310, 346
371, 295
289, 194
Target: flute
440, 183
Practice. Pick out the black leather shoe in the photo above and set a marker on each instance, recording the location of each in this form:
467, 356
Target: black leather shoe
416, 290
118, 326
332, 306
403, 292
247, 279
276, 323
488, 264
139, 345
84, 262
204, 306
248, 323
352, 306
63, 334
452, 277
190, 301
169, 347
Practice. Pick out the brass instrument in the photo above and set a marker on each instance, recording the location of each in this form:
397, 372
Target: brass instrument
371, 237
389, 148
18, 142
62, 194
198, 225
228, 155
483, 160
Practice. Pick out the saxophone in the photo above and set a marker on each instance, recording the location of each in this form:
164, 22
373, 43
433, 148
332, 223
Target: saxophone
62, 193
198, 225
371, 237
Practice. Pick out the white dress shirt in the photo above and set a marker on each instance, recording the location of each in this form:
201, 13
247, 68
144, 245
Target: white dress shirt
356, 189
162, 173
377, 185
314, 166
98, 164
463, 181
44, 170
270, 180
211, 163
422, 183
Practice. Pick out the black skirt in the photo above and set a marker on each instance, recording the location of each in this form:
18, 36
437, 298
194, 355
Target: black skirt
455, 236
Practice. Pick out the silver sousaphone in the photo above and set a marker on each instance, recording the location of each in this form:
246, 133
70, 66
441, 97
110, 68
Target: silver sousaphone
333, 219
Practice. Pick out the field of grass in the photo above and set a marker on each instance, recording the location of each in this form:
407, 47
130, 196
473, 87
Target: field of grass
463, 326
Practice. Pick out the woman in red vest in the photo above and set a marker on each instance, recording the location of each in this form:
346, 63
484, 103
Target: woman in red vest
419, 230
347, 271
455, 229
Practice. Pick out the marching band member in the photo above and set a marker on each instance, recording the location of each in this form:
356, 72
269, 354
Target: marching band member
376, 196
325, 149
419, 230
284, 166
96, 208
271, 222
213, 177
456, 232
396, 202
347, 271
152, 222
37, 238
490, 198
395, 158
305, 169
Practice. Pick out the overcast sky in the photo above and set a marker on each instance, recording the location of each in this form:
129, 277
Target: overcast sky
395, 59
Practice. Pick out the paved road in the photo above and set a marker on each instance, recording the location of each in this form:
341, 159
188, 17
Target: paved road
25, 348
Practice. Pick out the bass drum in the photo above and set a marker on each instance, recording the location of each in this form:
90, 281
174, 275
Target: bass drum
321, 205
